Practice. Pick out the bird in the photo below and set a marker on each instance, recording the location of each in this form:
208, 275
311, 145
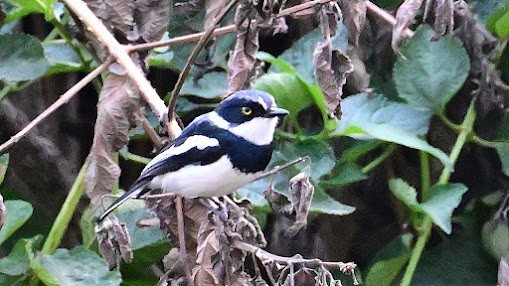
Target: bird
216, 154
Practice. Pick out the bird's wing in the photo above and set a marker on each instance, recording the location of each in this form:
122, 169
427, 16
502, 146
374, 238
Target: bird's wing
193, 149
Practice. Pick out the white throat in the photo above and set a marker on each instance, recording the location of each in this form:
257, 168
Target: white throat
259, 130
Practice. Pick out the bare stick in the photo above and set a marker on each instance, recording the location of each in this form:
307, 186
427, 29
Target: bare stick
193, 56
182, 233
64, 98
282, 167
388, 18
219, 31
118, 51
265, 256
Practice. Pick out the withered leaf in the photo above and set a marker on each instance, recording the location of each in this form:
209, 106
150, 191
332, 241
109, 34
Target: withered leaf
151, 18
354, 13
114, 242
118, 102
242, 60
301, 192
204, 272
405, 16
503, 273
212, 9
302, 277
444, 17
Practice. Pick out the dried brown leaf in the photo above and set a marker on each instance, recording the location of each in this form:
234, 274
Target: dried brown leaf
204, 273
405, 16
242, 60
114, 242
359, 80
118, 101
444, 17
301, 191
212, 9
354, 17
152, 18
302, 277
503, 273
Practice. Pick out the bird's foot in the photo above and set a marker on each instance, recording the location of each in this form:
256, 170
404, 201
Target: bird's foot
217, 208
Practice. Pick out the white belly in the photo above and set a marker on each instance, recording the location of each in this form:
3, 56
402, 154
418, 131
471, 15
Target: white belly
216, 179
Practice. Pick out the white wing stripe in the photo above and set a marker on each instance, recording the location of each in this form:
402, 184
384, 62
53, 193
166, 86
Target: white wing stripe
196, 141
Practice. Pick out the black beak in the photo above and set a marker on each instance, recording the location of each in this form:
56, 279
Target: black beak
276, 111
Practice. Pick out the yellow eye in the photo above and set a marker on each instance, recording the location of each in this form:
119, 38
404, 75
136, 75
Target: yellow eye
247, 110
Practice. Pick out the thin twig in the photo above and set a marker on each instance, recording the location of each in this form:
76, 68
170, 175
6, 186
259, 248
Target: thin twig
388, 18
119, 52
282, 167
61, 101
219, 31
181, 233
194, 54
311, 263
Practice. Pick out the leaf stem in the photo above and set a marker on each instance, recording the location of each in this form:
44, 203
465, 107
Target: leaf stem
64, 216
427, 224
425, 175
133, 157
378, 160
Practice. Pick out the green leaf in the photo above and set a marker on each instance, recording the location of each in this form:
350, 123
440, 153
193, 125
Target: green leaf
75, 267
320, 154
300, 54
323, 203
161, 59
491, 22
389, 262
17, 262
502, 26
371, 117
441, 204
4, 162
211, 85
277, 62
18, 212
61, 57
484, 10
21, 58
358, 149
347, 174
25, 7
404, 192
503, 153
432, 72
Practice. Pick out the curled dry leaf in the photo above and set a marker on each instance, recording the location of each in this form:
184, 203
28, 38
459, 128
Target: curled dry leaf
242, 60
482, 48
114, 242
354, 17
444, 17
212, 9
303, 277
405, 16
332, 66
118, 101
151, 18
301, 192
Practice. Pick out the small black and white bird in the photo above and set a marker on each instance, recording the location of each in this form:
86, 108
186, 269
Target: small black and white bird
217, 153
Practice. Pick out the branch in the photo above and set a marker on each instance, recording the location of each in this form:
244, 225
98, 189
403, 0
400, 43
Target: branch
194, 54
64, 98
119, 52
219, 31
383, 15
264, 256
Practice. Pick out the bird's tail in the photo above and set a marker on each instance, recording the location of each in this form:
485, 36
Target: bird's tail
135, 191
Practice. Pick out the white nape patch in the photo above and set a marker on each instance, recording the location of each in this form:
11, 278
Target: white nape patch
218, 121
216, 179
199, 141
259, 130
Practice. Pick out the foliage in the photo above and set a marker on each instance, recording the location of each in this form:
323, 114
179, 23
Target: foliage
408, 149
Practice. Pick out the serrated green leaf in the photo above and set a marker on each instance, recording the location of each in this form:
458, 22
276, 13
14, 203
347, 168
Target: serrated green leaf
389, 262
320, 154
444, 199
432, 72
404, 192
323, 203
25, 7
502, 26
61, 57
18, 212
347, 174
491, 22
21, 58
17, 262
371, 117
76, 267
4, 162
212, 85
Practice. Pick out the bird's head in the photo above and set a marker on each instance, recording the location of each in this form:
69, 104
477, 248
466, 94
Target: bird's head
250, 114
